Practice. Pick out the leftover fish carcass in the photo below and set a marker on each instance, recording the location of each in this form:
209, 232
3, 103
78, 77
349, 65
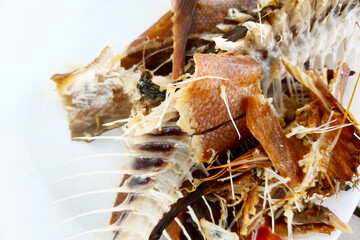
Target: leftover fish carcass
233, 118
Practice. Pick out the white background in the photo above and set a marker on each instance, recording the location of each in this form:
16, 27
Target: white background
37, 38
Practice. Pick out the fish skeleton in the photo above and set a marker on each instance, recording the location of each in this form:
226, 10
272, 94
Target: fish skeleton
260, 75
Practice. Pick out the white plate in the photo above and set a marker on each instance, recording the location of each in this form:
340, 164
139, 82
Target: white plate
37, 38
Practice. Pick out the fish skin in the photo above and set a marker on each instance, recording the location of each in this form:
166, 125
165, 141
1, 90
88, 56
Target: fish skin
202, 98
183, 14
283, 152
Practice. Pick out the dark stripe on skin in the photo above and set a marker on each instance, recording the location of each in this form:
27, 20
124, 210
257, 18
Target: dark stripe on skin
138, 181
143, 163
168, 131
223, 124
156, 146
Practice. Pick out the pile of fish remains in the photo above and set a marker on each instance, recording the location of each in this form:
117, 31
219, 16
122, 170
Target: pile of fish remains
233, 123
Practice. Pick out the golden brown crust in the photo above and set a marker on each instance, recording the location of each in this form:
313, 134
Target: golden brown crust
209, 13
283, 152
201, 106
219, 140
344, 156
299, 230
160, 30
183, 13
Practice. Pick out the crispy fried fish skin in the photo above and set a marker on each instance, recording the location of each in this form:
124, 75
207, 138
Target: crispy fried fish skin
159, 37
159, 31
209, 13
344, 158
219, 140
183, 13
202, 109
304, 229
283, 152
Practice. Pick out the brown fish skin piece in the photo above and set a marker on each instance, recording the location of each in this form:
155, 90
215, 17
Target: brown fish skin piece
300, 230
312, 81
328, 100
183, 13
315, 214
249, 208
251, 160
159, 31
157, 37
345, 156
201, 107
207, 14
203, 111
283, 152
219, 140
316, 219
341, 164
